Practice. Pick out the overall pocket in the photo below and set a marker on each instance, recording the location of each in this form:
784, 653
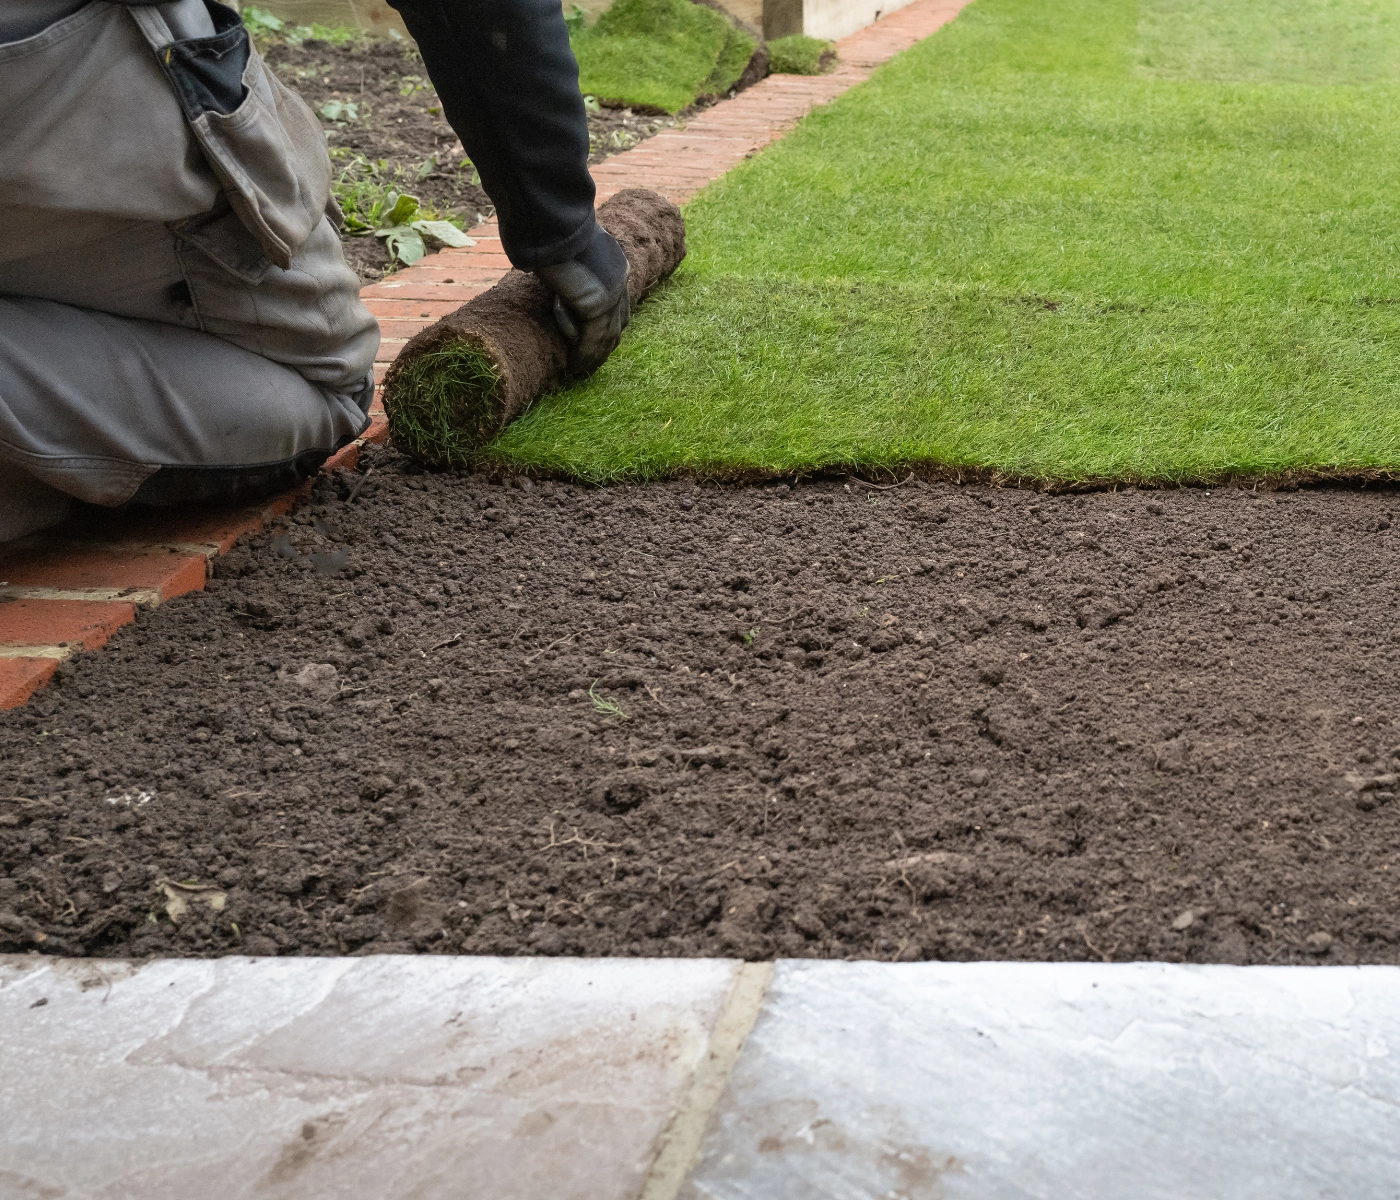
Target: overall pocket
261, 140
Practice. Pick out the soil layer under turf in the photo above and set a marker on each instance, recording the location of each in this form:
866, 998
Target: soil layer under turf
451, 714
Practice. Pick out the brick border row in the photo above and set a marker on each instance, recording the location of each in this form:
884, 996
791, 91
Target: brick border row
70, 590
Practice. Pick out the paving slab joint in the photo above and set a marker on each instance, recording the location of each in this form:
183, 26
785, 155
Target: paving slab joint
679, 1145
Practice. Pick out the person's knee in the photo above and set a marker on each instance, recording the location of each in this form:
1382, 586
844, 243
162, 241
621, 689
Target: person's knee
159, 414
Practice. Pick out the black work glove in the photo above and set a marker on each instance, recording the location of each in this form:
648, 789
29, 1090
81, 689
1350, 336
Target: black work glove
591, 304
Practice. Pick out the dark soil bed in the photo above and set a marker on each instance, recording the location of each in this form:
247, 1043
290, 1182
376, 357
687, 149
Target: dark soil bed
458, 715
398, 120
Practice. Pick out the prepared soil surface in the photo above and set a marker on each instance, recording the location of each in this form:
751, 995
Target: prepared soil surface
398, 121
444, 713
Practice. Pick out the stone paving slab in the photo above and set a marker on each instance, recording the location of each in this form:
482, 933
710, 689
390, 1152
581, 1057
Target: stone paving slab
383, 1077
944, 1081
627, 1079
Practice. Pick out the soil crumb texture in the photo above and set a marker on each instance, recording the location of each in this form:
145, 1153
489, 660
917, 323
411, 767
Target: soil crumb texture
385, 129
457, 714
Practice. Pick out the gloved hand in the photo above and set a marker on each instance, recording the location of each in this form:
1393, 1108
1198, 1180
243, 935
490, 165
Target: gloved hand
591, 305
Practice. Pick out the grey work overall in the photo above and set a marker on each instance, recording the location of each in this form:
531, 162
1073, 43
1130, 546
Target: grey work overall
177, 322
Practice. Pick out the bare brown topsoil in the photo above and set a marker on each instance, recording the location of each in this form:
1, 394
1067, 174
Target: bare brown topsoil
399, 121
457, 715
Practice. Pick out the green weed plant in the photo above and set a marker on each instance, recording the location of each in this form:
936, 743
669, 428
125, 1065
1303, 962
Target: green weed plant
266, 27
369, 195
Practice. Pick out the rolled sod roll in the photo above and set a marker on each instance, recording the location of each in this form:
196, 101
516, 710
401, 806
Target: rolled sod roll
457, 384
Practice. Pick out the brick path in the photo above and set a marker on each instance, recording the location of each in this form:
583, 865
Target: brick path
66, 590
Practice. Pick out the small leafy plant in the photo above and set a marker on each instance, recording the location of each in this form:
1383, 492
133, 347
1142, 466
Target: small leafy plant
375, 202
406, 233
256, 20
266, 27
616, 139
340, 111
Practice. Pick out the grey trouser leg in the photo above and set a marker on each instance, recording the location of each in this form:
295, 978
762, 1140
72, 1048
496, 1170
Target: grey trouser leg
141, 368
112, 409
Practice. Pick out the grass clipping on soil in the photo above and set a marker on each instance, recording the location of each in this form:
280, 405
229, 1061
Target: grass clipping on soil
457, 384
1098, 240
661, 54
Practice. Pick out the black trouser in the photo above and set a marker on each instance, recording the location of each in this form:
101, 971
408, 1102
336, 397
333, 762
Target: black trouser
508, 83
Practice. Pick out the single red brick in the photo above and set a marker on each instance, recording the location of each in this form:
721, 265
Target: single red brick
150, 531
410, 309
67, 567
20, 678
749, 129
426, 289
378, 430
217, 529
388, 351
463, 270
85, 623
659, 179
463, 263
344, 459
485, 258
672, 165
403, 329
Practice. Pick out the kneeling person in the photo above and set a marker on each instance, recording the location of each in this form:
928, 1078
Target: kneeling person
177, 321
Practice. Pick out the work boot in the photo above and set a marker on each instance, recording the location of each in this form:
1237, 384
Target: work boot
591, 304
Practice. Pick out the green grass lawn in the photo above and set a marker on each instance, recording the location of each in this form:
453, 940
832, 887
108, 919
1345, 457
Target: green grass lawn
1096, 239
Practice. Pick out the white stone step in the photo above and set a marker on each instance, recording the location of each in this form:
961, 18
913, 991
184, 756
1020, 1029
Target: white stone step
380, 1077
1039, 1081
554, 1079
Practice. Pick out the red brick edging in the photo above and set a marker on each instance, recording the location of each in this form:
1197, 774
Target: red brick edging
69, 590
